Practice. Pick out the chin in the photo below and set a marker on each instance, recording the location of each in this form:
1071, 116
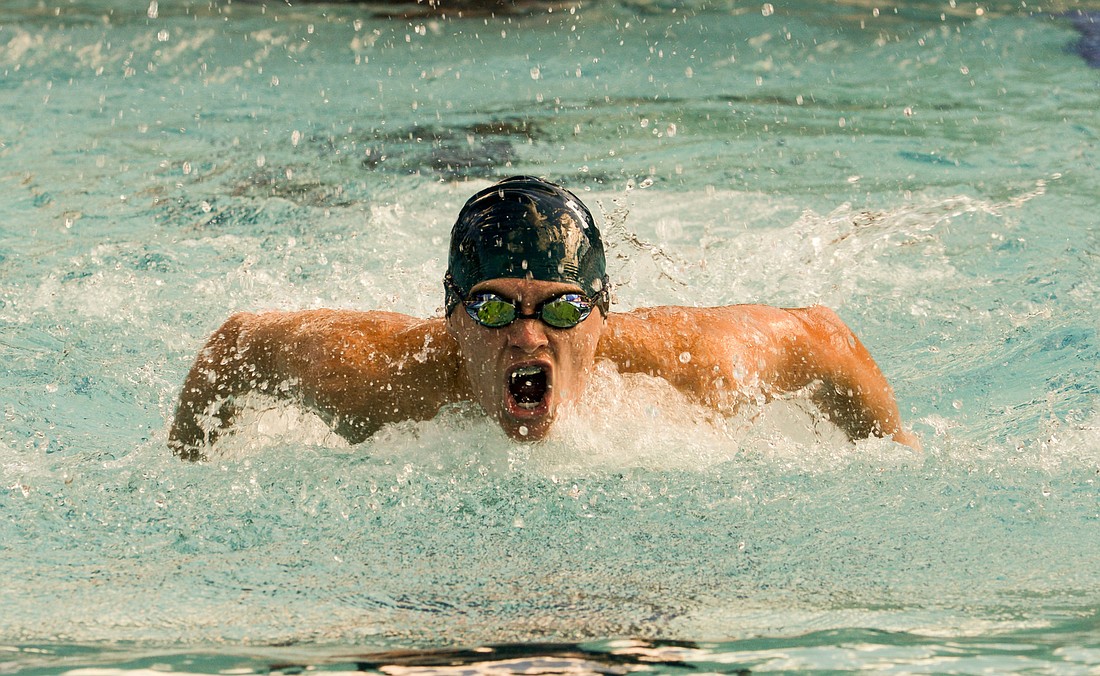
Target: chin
527, 430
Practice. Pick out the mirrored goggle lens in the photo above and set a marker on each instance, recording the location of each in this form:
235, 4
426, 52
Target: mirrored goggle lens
566, 311
492, 312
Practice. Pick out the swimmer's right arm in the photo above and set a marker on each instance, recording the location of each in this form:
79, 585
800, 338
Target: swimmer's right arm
357, 370
231, 359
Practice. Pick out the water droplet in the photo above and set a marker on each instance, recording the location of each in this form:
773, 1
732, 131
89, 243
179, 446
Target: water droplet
523, 431
957, 405
295, 137
685, 357
162, 36
536, 73
154, 10
767, 9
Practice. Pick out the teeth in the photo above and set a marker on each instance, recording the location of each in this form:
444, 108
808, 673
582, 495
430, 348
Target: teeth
530, 407
525, 371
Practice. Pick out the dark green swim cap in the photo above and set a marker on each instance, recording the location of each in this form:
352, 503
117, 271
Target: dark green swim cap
525, 228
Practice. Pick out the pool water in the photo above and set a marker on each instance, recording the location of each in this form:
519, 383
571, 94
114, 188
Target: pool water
929, 170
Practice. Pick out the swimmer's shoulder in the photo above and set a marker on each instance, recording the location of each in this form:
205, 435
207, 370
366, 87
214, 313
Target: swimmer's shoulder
312, 335
342, 346
680, 319
650, 334
333, 320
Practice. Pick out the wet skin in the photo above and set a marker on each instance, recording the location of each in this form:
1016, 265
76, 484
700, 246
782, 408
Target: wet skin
490, 357
362, 370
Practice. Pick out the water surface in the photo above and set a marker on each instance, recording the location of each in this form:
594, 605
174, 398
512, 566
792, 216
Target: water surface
929, 171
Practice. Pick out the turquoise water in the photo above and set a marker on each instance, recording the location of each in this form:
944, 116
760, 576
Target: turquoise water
928, 170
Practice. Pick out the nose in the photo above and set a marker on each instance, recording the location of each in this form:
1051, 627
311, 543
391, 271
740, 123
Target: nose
527, 335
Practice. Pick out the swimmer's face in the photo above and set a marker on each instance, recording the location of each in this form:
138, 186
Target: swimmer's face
521, 374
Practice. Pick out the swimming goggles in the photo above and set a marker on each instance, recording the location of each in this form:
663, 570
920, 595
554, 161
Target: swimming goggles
561, 312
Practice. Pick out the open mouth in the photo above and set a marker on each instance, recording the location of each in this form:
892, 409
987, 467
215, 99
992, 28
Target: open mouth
529, 386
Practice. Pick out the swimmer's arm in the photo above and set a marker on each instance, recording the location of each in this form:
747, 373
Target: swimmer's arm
357, 370
711, 353
221, 372
853, 392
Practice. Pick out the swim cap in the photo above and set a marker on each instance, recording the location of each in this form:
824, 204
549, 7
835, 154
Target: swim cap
525, 228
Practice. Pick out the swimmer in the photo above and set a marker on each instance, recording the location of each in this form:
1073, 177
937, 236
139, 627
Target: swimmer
526, 321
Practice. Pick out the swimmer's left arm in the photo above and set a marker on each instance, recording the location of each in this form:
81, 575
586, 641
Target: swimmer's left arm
711, 353
853, 392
